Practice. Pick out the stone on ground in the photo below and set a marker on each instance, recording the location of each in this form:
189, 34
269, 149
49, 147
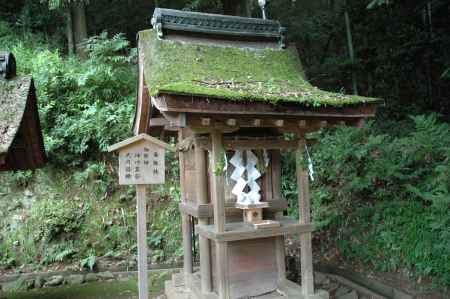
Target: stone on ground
342, 290
91, 277
54, 281
105, 275
320, 278
75, 279
351, 295
29, 284
39, 282
14, 286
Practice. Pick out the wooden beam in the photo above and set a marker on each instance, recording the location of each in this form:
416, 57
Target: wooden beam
256, 143
231, 122
256, 122
206, 122
241, 231
307, 278
207, 210
158, 122
175, 119
278, 123
202, 123
196, 104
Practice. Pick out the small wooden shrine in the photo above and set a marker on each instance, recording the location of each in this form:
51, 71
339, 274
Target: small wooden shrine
21, 142
229, 89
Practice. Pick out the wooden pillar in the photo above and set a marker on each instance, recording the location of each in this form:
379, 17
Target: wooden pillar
218, 195
202, 197
141, 205
275, 160
305, 218
187, 243
185, 219
281, 258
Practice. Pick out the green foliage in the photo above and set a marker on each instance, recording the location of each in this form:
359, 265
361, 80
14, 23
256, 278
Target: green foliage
164, 236
375, 3
57, 4
84, 105
68, 219
446, 74
89, 262
387, 197
54, 218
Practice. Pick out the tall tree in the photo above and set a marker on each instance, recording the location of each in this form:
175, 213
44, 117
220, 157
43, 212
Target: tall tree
76, 24
237, 7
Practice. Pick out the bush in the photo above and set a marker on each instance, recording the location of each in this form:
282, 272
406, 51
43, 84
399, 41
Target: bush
84, 105
386, 198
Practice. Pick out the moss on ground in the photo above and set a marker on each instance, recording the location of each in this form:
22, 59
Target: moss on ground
240, 74
97, 290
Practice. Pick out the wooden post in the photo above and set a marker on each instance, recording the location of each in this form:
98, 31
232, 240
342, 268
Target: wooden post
202, 197
186, 226
141, 163
281, 258
142, 241
305, 218
218, 195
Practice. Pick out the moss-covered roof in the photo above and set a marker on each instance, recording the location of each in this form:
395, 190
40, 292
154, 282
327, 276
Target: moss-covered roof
234, 73
13, 100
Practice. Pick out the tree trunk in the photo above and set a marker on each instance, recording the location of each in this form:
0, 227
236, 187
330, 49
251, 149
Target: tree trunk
246, 8
351, 52
230, 7
79, 27
69, 32
237, 8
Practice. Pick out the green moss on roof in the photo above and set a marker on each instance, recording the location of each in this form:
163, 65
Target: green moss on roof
241, 74
13, 100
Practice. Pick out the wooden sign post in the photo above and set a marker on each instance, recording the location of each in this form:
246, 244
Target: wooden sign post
141, 163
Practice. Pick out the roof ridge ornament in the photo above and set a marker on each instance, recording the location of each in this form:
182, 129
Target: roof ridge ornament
262, 4
204, 23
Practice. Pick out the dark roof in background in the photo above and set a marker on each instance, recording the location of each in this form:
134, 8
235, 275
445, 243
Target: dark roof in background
21, 140
13, 100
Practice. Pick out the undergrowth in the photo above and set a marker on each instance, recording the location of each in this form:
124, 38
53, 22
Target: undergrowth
385, 199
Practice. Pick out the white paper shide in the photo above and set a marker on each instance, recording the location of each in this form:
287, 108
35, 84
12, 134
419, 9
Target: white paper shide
245, 176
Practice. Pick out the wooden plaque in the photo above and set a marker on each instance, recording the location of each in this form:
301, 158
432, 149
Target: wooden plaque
141, 160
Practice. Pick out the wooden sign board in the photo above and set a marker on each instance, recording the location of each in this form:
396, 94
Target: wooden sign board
141, 160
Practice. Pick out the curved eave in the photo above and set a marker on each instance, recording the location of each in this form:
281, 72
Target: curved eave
201, 104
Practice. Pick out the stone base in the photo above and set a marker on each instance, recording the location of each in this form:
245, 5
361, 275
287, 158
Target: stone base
177, 288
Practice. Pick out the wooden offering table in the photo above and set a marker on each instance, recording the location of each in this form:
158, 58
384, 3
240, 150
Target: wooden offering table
229, 90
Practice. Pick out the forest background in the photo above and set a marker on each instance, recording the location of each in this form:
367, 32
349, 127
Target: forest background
381, 197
